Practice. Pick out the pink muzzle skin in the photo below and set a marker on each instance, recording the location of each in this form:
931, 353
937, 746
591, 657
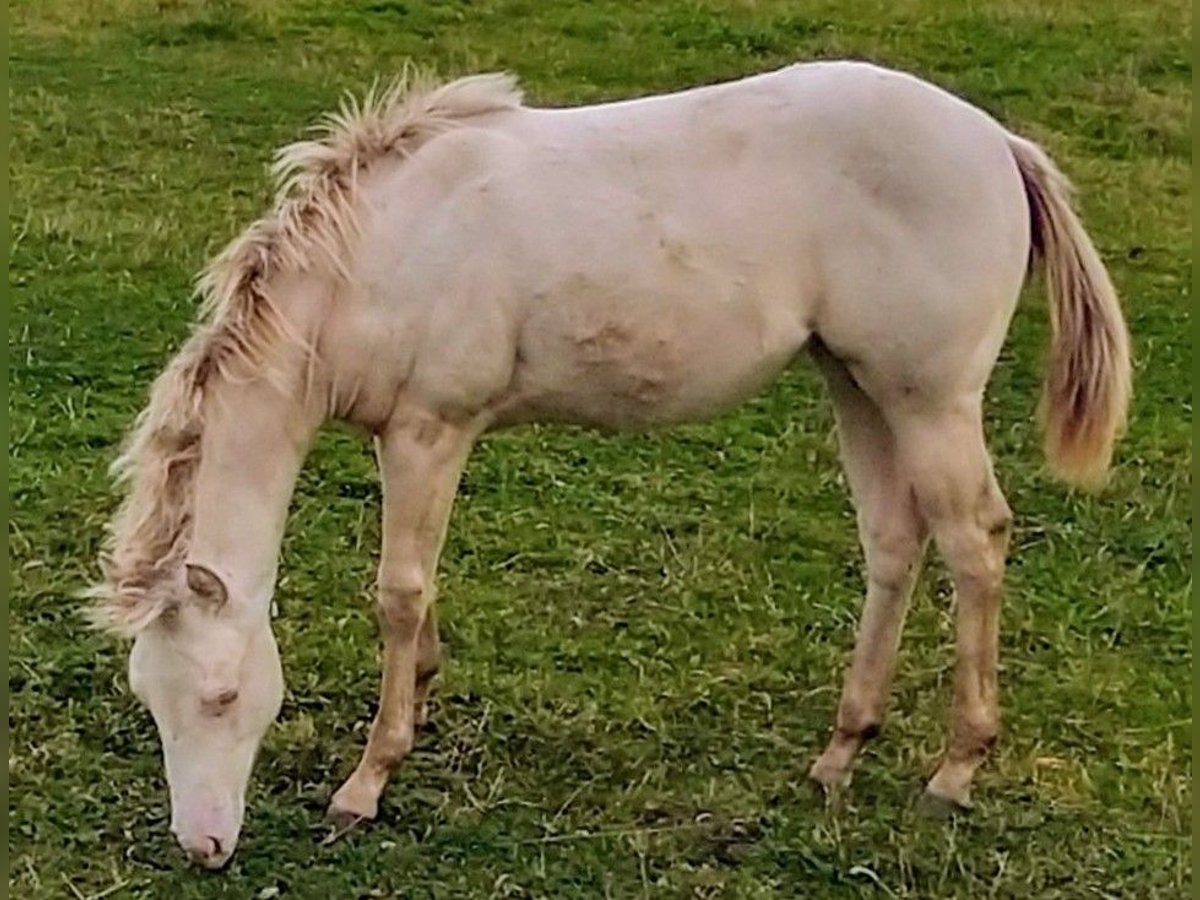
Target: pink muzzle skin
209, 838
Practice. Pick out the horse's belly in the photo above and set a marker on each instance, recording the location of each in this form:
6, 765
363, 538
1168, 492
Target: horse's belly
626, 362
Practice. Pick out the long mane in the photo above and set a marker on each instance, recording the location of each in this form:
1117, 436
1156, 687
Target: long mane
309, 227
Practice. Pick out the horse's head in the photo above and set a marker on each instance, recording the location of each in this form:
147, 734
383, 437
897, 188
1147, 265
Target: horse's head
209, 672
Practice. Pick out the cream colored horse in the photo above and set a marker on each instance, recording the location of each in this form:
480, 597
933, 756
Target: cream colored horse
446, 261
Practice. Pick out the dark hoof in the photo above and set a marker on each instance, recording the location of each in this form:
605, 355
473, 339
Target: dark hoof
939, 808
831, 794
340, 822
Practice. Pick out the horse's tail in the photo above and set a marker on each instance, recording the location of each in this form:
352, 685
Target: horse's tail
1086, 393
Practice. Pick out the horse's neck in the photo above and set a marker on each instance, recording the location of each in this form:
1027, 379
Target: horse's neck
254, 442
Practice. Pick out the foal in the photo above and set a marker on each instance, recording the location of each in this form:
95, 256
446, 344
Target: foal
446, 261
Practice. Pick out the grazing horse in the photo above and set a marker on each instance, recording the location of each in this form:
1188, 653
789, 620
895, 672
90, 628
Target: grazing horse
444, 260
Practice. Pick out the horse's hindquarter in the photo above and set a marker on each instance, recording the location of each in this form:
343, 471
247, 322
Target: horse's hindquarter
658, 260
923, 239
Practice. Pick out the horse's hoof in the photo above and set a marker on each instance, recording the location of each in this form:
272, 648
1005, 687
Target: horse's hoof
833, 796
936, 806
829, 787
346, 810
340, 822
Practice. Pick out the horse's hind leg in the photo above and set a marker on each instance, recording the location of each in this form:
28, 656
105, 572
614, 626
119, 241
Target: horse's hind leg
893, 539
420, 463
943, 452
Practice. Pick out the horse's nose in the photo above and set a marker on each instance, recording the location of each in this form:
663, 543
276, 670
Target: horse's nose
206, 851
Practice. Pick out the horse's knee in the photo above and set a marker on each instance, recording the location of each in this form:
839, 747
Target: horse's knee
390, 746
996, 519
891, 559
892, 545
402, 604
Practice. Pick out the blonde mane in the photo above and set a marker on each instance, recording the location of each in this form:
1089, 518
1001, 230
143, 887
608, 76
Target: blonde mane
310, 225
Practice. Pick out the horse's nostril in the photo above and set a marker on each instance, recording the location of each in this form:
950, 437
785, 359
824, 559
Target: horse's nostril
209, 852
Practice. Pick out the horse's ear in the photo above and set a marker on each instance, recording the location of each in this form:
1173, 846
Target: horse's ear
206, 585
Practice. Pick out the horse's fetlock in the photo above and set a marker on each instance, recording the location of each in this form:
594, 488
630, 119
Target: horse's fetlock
858, 722
391, 746
395, 752
978, 733
427, 669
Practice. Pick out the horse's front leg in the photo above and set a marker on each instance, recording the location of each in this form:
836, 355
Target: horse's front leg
420, 463
429, 660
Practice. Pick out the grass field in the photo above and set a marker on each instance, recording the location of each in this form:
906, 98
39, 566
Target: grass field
645, 634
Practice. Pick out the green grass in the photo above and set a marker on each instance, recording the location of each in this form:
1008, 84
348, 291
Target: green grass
645, 634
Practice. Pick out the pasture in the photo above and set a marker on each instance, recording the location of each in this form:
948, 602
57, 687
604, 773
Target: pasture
645, 634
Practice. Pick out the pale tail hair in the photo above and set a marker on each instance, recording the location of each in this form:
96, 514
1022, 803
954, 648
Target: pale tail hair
311, 225
1087, 388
